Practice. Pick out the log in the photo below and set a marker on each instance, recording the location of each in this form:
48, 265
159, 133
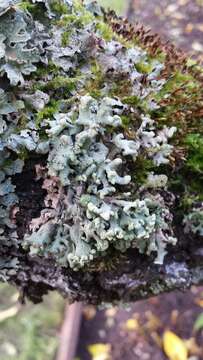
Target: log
100, 154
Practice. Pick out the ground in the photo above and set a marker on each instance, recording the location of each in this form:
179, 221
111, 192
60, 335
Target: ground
29, 332
136, 334
180, 21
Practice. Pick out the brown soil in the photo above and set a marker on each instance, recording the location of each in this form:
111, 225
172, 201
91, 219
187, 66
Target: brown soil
175, 311
180, 21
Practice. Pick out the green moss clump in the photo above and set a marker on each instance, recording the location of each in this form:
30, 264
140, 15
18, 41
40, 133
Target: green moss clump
48, 112
60, 82
59, 7
105, 31
195, 153
65, 38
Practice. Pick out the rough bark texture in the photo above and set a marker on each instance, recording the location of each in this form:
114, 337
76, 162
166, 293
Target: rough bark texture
130, 276
136, 278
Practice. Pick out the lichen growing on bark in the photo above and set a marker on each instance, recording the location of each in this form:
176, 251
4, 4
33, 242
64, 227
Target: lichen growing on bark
112, 121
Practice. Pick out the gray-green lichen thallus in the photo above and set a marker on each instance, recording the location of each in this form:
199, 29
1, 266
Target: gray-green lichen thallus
112, 121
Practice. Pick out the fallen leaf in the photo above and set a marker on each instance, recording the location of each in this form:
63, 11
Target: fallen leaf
157, 339
183, 2
153, 322
198, 325
6, 314
171, 8
174, 316
110, 322
199, 302
131, 324
200, 27
158, 11
193, 347
100, 351
197, 46
174, 346
189, 27
89, 312
177, 15
111, 312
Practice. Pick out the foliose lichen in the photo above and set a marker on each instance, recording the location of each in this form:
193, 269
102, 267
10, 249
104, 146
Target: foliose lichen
112, 118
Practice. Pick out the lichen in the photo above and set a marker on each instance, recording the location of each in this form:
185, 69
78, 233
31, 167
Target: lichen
117, 123
194, 221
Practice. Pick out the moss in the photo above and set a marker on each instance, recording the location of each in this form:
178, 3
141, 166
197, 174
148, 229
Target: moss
33, 9
96, 83
71, 21
58, 7
36, 10
121, 88
24, 154
176, 81
132, 100
125, 120
194, 143
45, 70
180, 103
68, 20
188, 200
105, 31
58, 82
86, 18
65, 38
78, 6
144, 67
7, 163
141, 169
47, 112
22, 122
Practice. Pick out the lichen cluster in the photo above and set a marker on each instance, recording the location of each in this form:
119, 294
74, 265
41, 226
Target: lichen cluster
116, 120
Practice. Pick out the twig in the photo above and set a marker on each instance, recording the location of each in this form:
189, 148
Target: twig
69, 332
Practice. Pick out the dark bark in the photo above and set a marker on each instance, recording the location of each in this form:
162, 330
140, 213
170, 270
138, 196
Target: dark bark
128, 277
135, 277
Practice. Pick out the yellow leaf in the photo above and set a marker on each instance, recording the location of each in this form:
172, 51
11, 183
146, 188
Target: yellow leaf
174, 346
100, 351
131, 324
199, 302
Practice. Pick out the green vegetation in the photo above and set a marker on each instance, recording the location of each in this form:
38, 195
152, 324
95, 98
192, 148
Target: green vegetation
31, 334
195, 156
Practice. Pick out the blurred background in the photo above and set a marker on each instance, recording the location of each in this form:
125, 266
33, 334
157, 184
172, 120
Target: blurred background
169, 324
